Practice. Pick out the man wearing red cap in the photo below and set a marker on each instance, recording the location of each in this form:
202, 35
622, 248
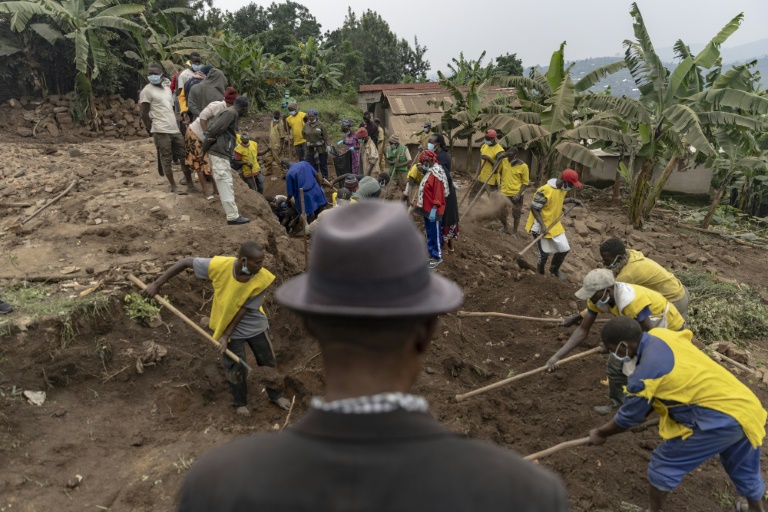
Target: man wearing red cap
369, 153
546, 208
430, 204
489, 153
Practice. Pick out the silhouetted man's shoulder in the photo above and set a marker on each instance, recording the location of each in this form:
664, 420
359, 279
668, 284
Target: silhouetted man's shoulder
381, 462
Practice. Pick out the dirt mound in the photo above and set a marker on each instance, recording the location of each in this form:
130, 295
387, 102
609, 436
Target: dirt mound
131, 436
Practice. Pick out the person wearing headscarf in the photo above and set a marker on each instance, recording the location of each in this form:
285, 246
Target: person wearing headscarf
430, 203
398, 158
451, 216
318, 140
209, 90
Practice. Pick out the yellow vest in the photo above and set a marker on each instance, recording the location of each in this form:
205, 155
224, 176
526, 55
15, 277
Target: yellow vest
513, 177
183, 101
632, 298
296, 123
276, 134
646, 272
249, 156
698, 380
415, 174
551, 211
485, 170
229, 294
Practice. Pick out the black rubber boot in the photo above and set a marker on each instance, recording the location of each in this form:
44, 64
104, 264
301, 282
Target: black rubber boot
557, 261
541, 264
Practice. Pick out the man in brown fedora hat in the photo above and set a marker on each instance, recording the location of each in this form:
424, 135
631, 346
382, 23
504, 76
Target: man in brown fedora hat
368, 444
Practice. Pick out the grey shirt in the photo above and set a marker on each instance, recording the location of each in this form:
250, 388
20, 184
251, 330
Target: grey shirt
254, 322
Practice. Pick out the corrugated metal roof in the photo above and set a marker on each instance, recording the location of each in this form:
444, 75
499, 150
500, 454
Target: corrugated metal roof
414, 103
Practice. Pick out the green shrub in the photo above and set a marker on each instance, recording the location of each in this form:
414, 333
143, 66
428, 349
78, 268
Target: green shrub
139, 308
723, 311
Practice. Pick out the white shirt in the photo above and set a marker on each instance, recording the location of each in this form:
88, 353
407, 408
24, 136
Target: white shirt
160, 100
207, 114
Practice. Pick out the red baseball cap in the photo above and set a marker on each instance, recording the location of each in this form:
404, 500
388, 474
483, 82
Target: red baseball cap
571, 177
491, 134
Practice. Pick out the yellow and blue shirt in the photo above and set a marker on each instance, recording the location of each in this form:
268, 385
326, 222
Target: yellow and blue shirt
645, 272
637, 302
688, 390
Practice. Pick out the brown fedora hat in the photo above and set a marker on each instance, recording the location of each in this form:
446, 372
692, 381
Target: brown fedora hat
387, 274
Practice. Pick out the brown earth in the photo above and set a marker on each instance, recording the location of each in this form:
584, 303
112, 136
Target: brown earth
132, 436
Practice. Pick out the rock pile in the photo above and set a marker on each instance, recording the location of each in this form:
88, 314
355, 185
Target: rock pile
116, 117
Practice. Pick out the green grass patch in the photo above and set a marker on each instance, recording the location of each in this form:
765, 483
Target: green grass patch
723, 311
41, 302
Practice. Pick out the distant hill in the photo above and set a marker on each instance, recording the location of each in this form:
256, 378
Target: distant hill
621, 83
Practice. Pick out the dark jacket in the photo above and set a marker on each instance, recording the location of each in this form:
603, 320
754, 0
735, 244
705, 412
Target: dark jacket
223, 128
398, 462
209, 90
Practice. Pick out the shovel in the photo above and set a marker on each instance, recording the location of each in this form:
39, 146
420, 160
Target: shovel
520, 260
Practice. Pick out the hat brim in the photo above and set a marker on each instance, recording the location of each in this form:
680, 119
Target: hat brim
583, 293
441, 295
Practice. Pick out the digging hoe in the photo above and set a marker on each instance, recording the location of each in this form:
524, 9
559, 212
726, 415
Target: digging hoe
521, 262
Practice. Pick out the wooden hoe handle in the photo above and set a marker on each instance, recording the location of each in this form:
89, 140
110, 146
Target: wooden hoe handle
135, 280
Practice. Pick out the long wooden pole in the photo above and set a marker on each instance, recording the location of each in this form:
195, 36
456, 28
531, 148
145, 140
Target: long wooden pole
579, 442
469, 187
304, 226
482, 189
464, 314
135, 280
541, 369
49, 203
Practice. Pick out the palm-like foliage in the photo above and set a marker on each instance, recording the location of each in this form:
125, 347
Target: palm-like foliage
249, 69
311, 68
548, 123
675, 116
72, 19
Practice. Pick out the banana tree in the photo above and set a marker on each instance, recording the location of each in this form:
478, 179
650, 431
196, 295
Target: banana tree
549, 122
674, 114
311, 67
72, 19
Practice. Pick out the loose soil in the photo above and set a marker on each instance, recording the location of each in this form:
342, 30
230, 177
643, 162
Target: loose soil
131, 436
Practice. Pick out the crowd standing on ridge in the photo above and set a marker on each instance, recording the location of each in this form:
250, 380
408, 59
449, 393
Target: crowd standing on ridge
374, 320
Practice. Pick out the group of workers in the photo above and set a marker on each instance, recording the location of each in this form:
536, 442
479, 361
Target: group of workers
374, 329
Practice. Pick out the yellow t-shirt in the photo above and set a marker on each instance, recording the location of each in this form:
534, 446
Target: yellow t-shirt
296, 124
646, 272
485, 170
229, 294
415, 174
513, 177
553, 207
249, 155
697, 380
631, 299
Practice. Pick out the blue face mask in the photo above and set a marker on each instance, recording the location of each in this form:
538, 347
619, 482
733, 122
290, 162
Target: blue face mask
292, 112
155, 79
489, 142
245, 270
197, 67
430, 146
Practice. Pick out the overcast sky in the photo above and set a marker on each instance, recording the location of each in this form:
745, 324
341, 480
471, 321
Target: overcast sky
533, 30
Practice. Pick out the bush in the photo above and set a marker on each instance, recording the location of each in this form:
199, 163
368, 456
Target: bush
723, 311
333, 107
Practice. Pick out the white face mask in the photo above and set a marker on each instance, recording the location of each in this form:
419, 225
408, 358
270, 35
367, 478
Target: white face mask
628, 368
489, 142
566, 187
614, 262
602, 304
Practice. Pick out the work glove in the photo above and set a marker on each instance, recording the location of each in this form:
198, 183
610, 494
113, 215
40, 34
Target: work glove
433, 215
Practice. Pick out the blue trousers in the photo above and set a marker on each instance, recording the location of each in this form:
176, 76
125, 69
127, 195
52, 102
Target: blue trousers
675, 458
434, 238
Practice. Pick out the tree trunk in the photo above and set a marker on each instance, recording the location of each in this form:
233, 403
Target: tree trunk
617, 183
640, 189
658, 186
712, 207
